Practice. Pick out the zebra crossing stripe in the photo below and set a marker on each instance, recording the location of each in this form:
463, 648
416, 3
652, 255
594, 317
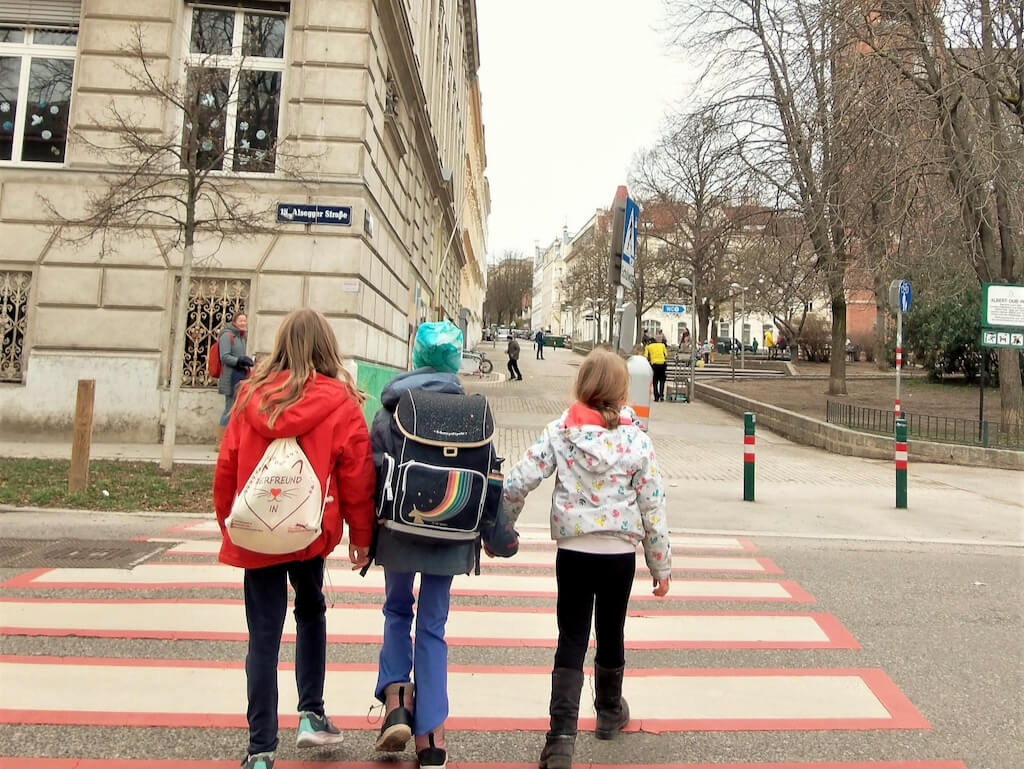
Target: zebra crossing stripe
343, 580
545, 559
211, 693
125, 763
528, 537
224, 620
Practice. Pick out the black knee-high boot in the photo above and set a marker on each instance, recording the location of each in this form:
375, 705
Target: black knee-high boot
611, 707
566, 685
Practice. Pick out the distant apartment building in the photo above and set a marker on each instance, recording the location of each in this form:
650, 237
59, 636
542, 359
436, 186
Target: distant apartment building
365, 112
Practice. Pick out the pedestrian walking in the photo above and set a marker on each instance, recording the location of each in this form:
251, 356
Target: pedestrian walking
769, 343
608, 497
513, 359
299, 391
782, 343
412, 680
539, 339
657, 355
235, 366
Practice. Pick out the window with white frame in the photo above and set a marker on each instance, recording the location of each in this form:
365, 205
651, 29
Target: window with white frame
37, 65
235, 68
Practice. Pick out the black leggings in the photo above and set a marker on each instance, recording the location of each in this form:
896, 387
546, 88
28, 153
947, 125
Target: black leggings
595, 585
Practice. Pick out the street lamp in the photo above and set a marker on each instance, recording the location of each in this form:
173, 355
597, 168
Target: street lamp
683, 283
732, 342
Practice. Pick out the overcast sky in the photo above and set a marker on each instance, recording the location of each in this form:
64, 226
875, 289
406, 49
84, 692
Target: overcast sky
571, 90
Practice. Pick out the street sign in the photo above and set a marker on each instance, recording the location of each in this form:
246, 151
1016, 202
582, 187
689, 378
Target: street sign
904, 295
1002, 304
629, 242
998, 337
673, 309
310, 213
625, 216
900, 295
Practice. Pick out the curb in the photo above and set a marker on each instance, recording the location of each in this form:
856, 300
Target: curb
841, 440
84, 511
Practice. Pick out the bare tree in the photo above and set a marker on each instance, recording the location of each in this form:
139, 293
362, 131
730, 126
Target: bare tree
687, 180
507, 283
788, 106
966, 57
166, 180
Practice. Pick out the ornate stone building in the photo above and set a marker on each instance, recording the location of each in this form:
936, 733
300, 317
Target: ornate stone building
350, 130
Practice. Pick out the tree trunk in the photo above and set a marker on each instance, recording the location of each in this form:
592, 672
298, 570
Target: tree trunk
837, 357
703, 316
177, 359
881, 322
1011, 394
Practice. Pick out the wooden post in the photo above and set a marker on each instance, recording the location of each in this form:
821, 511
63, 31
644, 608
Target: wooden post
81, 439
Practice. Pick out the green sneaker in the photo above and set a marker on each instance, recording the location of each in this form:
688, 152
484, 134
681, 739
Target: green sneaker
259, 761
316, 730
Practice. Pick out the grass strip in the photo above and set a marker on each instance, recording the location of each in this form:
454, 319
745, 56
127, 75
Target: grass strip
131, 486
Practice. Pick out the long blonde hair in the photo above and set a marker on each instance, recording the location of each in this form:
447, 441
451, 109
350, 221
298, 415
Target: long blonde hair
603, 384
305, 346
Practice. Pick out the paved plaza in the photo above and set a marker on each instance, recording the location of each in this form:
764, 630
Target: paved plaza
816, 628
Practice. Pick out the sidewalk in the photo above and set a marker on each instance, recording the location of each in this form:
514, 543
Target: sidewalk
800, 491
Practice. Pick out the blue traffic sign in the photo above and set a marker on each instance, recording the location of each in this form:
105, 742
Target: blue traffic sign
906, 295
308, 213
673, 309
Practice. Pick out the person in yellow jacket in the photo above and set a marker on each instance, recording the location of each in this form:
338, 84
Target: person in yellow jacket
657, 355
769, 343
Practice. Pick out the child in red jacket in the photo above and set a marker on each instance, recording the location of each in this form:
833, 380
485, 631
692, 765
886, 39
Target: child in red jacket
296, 392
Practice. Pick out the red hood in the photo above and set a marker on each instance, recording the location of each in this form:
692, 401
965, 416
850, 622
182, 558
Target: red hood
321, 397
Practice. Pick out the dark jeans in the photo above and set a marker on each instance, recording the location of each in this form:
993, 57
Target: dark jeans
592, 585
513, 369
660, 375
540, 352
266, 601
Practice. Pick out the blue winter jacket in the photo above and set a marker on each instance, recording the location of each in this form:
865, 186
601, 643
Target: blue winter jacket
396, 552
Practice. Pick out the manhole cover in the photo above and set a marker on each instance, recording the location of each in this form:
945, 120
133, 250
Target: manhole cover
77, 553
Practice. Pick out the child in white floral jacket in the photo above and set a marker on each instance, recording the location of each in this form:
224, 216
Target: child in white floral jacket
608, 498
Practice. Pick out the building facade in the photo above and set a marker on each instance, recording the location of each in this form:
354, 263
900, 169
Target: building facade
348, 132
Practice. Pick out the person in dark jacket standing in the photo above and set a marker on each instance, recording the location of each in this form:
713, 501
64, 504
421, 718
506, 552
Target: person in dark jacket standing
513, 359
301, 390
423, 668
539, 339
235, 365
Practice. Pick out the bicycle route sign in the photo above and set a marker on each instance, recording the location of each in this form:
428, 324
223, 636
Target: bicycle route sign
1002, 315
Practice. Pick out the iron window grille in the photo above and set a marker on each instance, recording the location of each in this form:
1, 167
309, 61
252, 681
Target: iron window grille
14, 294
212, 302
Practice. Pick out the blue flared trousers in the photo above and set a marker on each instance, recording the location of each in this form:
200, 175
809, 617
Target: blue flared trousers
426, 661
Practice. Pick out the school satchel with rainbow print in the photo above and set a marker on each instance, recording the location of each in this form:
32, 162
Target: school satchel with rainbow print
443, 482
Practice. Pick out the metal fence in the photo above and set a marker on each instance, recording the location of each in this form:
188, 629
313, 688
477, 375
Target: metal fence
969, 432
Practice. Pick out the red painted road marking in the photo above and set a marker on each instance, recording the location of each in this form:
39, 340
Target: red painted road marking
121, 763
837, 637
901, 714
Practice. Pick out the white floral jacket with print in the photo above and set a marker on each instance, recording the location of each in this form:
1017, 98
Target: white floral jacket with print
607, 482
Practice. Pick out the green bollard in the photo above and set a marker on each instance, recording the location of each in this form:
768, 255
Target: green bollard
748, 456
901, 464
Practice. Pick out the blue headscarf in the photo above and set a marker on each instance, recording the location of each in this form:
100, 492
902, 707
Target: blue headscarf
439, 346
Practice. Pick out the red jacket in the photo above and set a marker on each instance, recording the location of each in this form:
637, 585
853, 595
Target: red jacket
330, 428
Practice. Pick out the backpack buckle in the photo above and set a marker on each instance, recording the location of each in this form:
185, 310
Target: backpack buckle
451, 451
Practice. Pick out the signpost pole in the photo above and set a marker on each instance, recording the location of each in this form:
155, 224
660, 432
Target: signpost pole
693, 338
899, 358
748, 456
981, 392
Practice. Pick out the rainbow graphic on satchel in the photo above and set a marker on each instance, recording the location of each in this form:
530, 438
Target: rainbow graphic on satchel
456, 495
